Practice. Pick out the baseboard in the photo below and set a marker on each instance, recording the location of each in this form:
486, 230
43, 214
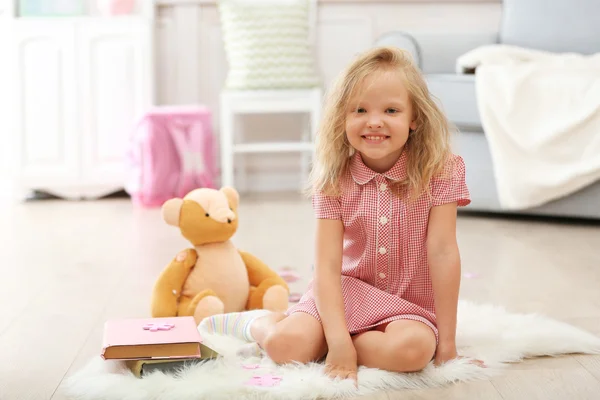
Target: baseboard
257, 181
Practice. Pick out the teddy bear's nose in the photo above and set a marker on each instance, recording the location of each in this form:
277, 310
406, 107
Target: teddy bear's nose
223, 215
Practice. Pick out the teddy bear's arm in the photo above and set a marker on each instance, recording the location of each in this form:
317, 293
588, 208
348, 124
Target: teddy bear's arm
167, 288
258, 271
267, 289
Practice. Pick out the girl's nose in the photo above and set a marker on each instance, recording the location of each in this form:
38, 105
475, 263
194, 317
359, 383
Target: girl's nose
375, 123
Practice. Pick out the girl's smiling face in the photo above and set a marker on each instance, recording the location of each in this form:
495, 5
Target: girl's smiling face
379, 119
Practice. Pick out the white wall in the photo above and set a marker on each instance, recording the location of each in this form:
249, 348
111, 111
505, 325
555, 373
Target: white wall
191, 64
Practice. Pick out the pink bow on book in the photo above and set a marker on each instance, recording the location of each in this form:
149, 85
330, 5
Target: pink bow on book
158, 327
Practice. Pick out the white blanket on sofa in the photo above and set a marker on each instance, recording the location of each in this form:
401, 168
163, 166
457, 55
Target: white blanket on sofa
541, 115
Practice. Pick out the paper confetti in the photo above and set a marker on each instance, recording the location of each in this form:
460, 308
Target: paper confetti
264, 380
288, 274
295, 297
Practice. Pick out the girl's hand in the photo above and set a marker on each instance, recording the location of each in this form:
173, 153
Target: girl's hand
444, 353
447, 352
341, 361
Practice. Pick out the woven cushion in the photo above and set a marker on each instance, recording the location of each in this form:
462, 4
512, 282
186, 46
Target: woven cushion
267, 44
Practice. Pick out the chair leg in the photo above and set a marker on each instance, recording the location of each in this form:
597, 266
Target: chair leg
226, 144
315, 120
315, 115
305, 156
241, 160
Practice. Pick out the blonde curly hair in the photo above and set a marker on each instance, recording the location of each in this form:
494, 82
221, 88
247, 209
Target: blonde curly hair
428, 146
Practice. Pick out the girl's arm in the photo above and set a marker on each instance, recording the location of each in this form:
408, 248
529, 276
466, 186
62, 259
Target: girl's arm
341, 361
327, 280
444, 264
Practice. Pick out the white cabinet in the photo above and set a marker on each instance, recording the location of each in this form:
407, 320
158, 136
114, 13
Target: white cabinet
77, 87
114, 70
44, 101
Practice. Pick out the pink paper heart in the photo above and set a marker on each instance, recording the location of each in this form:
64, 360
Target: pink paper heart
295, 297
264, 380
289, 276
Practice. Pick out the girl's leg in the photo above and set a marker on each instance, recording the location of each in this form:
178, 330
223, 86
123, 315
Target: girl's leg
298, 337
400, 346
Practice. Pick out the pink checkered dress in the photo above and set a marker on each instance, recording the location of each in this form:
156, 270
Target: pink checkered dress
385, 273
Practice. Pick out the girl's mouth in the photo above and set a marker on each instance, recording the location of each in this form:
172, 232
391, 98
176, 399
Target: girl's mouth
375, 138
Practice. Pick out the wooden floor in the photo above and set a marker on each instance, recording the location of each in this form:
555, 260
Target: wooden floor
68, 266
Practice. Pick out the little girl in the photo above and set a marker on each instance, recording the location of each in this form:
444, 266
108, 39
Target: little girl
385, 189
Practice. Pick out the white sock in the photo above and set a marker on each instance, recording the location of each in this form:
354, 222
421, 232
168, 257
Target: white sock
233, 324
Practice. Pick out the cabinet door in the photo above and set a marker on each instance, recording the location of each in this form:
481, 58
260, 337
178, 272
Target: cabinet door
45, 138
115, 68
6, 141
6, 9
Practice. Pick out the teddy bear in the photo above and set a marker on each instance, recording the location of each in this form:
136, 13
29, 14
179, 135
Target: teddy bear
213, 277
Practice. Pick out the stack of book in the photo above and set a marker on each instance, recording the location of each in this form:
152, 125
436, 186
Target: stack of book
149, 344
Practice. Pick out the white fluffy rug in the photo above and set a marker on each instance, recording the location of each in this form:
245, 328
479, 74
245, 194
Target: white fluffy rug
486, 332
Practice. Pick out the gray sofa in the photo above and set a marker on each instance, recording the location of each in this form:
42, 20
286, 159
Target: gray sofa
557, 26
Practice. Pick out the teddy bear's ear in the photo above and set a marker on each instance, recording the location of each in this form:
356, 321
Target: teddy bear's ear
232, 195
171, 210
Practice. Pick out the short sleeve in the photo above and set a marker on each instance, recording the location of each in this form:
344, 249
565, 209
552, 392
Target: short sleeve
451, 185
327, 207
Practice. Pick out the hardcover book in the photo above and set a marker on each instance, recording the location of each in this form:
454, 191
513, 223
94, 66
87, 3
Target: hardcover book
152, 339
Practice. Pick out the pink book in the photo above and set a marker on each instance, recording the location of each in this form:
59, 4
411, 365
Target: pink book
151, 339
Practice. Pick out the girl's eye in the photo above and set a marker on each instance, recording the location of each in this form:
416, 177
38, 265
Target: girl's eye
392, 110
360, 110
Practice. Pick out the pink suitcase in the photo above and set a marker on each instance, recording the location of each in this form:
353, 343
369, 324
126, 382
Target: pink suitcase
172, 151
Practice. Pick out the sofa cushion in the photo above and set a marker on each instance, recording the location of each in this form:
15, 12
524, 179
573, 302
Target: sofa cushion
267, 44
556, 25
436, 53
456, 95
